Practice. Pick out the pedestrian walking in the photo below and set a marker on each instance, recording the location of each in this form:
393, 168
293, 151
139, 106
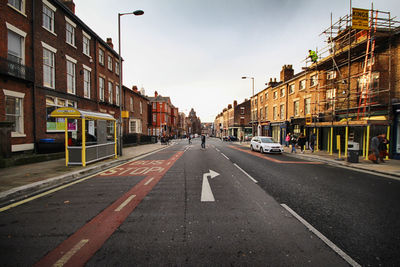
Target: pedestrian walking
189, 139
312, 142
301, 141
382, 147
203, 141
287, 140
293, 143
374, 149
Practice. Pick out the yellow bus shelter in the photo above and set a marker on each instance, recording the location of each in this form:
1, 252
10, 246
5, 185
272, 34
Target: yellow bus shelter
83, 154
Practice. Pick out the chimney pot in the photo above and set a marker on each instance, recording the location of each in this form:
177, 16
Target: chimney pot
70, 4
110, 43
155, 93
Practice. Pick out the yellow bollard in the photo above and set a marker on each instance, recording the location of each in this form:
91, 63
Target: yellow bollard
338, 144
317, 140
387, 146
367, 143
346, 141
66, 142
363, 142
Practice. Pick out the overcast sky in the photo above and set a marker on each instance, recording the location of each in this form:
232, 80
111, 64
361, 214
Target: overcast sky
196, 51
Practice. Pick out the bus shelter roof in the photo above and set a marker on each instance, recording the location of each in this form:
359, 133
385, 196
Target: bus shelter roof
73, 113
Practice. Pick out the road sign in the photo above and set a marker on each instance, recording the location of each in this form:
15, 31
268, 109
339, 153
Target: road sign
360, 19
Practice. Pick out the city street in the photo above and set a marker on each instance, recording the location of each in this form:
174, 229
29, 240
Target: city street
223, 205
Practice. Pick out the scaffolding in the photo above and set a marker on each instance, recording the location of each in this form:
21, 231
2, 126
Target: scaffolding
354, 85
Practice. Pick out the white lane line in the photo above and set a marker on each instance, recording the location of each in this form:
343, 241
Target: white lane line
224, 156
217, 149
120, 207
322, 237
149, 181
248, 175
64, 259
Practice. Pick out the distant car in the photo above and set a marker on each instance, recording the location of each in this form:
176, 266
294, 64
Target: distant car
225, 138
265, 144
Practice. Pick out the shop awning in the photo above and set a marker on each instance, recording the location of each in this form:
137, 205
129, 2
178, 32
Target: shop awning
377, 120
73, 113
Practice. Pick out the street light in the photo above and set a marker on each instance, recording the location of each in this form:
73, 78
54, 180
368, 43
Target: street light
252, 125
136, 13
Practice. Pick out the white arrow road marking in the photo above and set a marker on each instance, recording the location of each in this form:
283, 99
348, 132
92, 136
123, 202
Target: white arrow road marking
206, 193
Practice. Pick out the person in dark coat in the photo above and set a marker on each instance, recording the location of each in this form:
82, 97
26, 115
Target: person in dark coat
301, 141
312, 142
203, 141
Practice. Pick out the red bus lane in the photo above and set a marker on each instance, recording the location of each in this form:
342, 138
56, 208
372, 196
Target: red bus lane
83, 244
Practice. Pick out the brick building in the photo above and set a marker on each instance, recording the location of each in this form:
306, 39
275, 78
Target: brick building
49, 58
164, 116
138, 110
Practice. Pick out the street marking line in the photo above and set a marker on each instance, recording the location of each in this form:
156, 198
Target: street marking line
248, 175
64, 259
217, 149
335, 248
120, 207
149, 181
224, 156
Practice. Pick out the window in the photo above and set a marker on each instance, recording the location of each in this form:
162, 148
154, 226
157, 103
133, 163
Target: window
307, 106
255, 102
331, 75
275, 94
296, 107
101, 88
70, 32
302, 85
242, 110
261, 113
14, 111
110, 92
275, 113
117, 95
15, 47
282, 111
313, 80
291, 89
261, 99
86, 82
71, 77
266, 96
266, 112
18, 5
86, 44
117, 67
101, 56
154, 117
154, 105
109, 63
58, 124
131, 104
330, 98
48, 68
141, 107
48, 17
282, 91
135, 126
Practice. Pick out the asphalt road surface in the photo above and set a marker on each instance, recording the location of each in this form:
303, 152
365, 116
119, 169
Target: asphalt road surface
221, 205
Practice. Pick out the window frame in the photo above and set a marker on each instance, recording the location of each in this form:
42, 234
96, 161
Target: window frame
73, 62
52, 52
71, 37
292, 89
86, 45
102, 88
109, 63
302, 85
87, 73
101, 56
22, 35
21, 10
110, 92
19, 130
52, 10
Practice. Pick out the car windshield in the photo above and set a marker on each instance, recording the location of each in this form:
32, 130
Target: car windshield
267, 140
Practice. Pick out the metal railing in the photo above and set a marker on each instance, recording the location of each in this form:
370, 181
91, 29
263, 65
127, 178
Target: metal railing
15, 69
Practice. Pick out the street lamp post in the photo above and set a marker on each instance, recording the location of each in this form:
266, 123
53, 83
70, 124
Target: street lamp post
136, 13
252, 125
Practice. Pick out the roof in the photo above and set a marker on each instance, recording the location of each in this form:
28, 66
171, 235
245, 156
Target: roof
73, 113
81, 23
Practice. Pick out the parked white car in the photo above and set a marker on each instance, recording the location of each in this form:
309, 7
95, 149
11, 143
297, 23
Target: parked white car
265, 144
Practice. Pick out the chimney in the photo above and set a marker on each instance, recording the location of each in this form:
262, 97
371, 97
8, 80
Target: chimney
134, 88
70, 4
109, 42
287, 73
155, 94
229, 106
234, 103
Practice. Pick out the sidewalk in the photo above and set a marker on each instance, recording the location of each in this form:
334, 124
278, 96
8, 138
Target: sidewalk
390, 167
21, 181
